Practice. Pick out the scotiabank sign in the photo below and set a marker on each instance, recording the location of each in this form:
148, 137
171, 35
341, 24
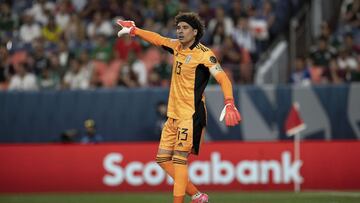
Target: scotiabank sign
213, 172
220, 166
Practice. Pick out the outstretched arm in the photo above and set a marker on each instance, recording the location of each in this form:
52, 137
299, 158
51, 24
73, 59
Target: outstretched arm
129, 27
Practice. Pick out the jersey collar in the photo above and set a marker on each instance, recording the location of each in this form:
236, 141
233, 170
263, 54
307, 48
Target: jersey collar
194, 45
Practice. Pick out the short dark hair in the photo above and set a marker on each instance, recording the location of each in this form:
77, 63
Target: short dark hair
194, 21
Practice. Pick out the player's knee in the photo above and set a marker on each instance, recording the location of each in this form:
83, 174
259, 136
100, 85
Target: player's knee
161, 159
180, 158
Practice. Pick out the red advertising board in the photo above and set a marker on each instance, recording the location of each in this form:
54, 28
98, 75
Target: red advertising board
220, 166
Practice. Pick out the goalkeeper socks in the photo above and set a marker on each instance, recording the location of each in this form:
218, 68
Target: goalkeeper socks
168, 166
180, 175
179, 199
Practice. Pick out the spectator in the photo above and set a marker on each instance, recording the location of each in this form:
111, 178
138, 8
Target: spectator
139, 68
160, 14
29, 31
168, 29
236, 11
91, 8
128, 77
113, 9
41, 10
5, 67
76, 77
86, 64
64, 54
220, 17
90, 136
301, 74
322, 54
334, 74
243, 37
102, 50
237, 59
325, 32
346, 60
218, 36
352, 48
40, 60
267, 14
69, 136
62, 16
124, 46
132, 11
8, 20
136, 71
99, 26
205, 12
350, 17
163, 70
23, 80
52, 32
260, 24
55, 66
78, 5
75, 33
48, 80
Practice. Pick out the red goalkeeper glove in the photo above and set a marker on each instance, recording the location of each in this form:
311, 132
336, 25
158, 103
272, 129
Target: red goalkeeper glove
128, 27
230, 113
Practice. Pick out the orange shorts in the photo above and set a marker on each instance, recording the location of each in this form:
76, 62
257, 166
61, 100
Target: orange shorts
182, 135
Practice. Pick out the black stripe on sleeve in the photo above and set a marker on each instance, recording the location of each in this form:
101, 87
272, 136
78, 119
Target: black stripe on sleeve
170, 50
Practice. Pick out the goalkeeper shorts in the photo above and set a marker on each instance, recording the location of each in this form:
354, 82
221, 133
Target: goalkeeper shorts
182, 135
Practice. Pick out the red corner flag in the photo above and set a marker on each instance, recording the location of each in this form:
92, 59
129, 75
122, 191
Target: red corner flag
294, 124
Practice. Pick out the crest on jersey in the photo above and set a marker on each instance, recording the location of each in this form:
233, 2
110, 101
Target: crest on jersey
188, 58
213, 59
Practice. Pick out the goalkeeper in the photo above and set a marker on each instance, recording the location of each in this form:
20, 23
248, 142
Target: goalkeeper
184, 129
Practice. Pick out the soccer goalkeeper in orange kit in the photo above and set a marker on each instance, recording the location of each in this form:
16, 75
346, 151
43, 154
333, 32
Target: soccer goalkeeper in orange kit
184, 128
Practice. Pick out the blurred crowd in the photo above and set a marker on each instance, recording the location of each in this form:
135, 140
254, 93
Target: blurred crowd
72, 44
335, 56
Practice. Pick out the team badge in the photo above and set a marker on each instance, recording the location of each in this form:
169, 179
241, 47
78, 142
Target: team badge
188, 58
213, 59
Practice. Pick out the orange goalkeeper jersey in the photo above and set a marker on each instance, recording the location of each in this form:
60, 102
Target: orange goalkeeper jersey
190, 74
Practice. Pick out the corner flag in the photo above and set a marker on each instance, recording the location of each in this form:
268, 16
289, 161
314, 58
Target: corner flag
294, 124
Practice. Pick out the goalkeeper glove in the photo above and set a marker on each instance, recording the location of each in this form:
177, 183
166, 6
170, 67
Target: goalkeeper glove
230, 113
128, 27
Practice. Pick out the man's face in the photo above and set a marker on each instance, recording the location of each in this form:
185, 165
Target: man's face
185, 32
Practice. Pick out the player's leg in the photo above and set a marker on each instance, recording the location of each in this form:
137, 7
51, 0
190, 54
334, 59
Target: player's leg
165, 153
182, 149
181, 177
167, 143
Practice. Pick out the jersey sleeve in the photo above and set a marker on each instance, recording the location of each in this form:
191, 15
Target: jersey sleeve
210, 61
154, 38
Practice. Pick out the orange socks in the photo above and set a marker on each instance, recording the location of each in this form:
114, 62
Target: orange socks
169, 168
179, 199
165, 162
178, 170
180, 179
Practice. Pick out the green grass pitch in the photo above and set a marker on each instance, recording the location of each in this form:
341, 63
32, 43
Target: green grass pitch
215, 197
